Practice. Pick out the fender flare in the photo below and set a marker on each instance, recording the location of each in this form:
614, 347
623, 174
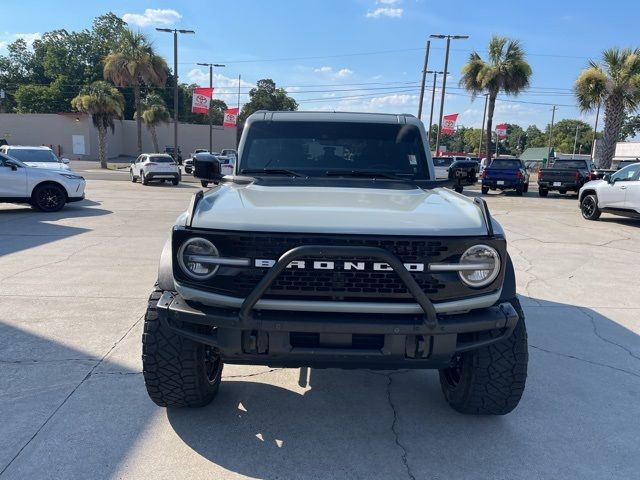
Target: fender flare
165, 268
509, 283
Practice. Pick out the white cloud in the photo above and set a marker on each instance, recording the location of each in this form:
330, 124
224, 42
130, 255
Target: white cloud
385, 12
153, 16
292, 89
327, 70
225, 88
6, 38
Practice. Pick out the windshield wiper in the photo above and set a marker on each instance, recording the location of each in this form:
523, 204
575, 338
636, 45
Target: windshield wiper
363, 173
267, 171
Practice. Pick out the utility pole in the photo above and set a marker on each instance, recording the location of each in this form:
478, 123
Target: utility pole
433, 99
175, 32
575, 142
211, 65
444, 79
553, 117
424, 77
595, 130
484, 118
237, 126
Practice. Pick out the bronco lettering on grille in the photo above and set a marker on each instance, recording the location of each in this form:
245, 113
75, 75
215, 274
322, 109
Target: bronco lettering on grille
331, 265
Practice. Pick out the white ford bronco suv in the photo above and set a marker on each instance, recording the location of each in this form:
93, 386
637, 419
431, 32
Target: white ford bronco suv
333, 246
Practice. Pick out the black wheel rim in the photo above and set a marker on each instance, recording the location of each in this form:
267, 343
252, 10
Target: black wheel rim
50, 198
588, 207
211, 365
453, 374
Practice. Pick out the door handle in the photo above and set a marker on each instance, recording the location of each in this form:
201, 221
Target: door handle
623, 187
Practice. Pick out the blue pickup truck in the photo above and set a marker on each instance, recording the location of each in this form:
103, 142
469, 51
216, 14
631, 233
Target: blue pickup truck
506, 174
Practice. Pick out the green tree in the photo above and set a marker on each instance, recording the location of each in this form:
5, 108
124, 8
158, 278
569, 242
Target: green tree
630, 127
154, 112
614, 83
535, 138
132, 64
267, 97
505, 71
564, 136
472, 139
105, 104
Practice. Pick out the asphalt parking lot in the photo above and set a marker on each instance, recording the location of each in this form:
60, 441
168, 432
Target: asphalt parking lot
73, 289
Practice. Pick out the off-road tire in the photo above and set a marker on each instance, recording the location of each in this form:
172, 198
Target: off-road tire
133, 177
204, 183
174, 368
458, 188
489, 380
543, 192
48, 197
589, 207
484, 190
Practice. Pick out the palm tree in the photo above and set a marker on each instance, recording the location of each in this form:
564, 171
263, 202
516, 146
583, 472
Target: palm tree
154, 112
506, 71
133, 63
615, 83
105, 104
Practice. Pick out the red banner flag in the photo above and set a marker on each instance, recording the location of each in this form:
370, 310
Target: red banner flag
449, 124
201, 100
231, 117
501, 131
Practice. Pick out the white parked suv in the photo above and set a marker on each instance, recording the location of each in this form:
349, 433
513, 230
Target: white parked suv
41, 157
45, 189
618, 193
150, 167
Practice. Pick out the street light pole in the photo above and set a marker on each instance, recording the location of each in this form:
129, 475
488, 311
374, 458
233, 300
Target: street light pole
575, 142
433, 99
424, 77
175, 32
210, 65
444, 79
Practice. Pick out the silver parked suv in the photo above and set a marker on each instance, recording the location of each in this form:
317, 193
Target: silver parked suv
150, 167
332, 245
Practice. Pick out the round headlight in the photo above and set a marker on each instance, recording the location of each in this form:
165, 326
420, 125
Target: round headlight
481, 266
193, 255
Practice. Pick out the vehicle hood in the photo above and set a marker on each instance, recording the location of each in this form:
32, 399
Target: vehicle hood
48, 165
338, 210
593, 184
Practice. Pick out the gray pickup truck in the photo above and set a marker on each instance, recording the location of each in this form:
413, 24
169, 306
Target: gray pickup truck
333, 245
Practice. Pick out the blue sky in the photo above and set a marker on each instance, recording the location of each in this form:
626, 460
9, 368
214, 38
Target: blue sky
361, 55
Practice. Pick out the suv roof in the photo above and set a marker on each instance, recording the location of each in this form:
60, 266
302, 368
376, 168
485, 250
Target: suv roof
26, 147
332, 117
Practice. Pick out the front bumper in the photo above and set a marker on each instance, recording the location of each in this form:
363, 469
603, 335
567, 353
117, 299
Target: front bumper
396, 341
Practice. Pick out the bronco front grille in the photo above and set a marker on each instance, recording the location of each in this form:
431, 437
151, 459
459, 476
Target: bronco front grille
337, 284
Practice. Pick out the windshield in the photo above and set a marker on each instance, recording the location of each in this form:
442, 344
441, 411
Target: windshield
313, 148
570, 164
28, 155
506, 164
442, 161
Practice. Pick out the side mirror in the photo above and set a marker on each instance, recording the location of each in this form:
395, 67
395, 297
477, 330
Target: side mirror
207, 168
13, 166
65, 160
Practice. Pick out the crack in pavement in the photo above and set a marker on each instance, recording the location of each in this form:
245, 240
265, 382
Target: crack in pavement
606, 340
590, 362
57, 409
394, 429
252, 374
